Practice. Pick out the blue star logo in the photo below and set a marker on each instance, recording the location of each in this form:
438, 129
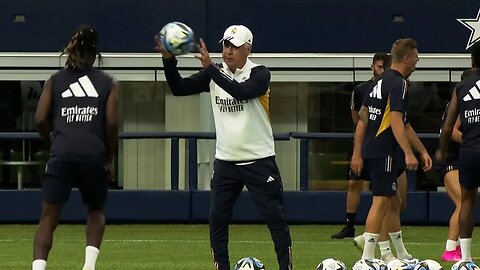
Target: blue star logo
474, 26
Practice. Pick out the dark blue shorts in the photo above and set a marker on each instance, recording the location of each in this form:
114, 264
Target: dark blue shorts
442, 168
469, 171
383, 175
363, 175
61, 177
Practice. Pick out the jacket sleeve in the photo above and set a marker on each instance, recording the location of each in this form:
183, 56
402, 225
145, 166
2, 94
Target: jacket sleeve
256, 86
194, 84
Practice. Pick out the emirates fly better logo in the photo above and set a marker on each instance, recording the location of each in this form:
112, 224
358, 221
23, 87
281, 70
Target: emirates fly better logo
474, 26
84, 88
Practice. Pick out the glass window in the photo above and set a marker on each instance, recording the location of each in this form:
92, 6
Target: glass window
18, 101
329, 111
311, 101
141, 162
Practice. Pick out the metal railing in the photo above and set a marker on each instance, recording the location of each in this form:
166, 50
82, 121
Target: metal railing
193, 137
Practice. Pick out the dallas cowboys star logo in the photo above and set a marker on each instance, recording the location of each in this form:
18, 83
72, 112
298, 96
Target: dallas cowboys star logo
474, 26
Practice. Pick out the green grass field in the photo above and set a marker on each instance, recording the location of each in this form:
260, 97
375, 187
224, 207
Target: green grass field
173, 247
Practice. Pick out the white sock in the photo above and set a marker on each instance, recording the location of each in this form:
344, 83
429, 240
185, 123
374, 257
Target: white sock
466, 245
384, 247
371, 240
91, 254
451, 245
397, 241
39, 265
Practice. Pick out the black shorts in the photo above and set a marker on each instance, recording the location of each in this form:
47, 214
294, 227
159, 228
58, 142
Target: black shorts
363, 175
469, 172
61, 177
442, 168
383, 175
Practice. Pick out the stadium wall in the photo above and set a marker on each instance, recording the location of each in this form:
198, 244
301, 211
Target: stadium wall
321, 207
284, 26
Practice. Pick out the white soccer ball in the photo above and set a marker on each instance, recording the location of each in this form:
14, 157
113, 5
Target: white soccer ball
331, 264
381, 265
177, 38
365, 264
465, 265
249, 263
411, 262
399, 265
428, 265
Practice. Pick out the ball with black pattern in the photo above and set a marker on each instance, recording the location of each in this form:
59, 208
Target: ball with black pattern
428, 265
331, 264
465, 265
177, 38
249, 263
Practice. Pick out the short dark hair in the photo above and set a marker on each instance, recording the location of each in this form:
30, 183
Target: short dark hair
476, 55
380, 56
401, 47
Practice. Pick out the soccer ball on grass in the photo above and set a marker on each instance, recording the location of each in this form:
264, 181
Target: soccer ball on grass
331, 264
428, 265
249, 263
465, 265
373, 264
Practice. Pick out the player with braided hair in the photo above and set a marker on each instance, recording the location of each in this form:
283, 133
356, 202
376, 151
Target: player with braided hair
81, 47
79, 106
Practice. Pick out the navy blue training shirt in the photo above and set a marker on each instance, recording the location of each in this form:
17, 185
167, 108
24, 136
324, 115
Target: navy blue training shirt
78, 115
468, 96
359, 93
388, 93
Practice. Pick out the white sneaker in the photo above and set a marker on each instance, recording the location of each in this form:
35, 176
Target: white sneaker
359, 242
388, 258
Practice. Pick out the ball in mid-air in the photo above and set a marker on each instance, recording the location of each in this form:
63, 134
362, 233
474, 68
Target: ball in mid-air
177, 38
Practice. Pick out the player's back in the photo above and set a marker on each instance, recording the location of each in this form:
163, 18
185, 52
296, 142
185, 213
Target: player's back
468, 95
78, 115
359, 94
388, 93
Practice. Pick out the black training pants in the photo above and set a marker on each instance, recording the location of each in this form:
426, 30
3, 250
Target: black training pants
263, 181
